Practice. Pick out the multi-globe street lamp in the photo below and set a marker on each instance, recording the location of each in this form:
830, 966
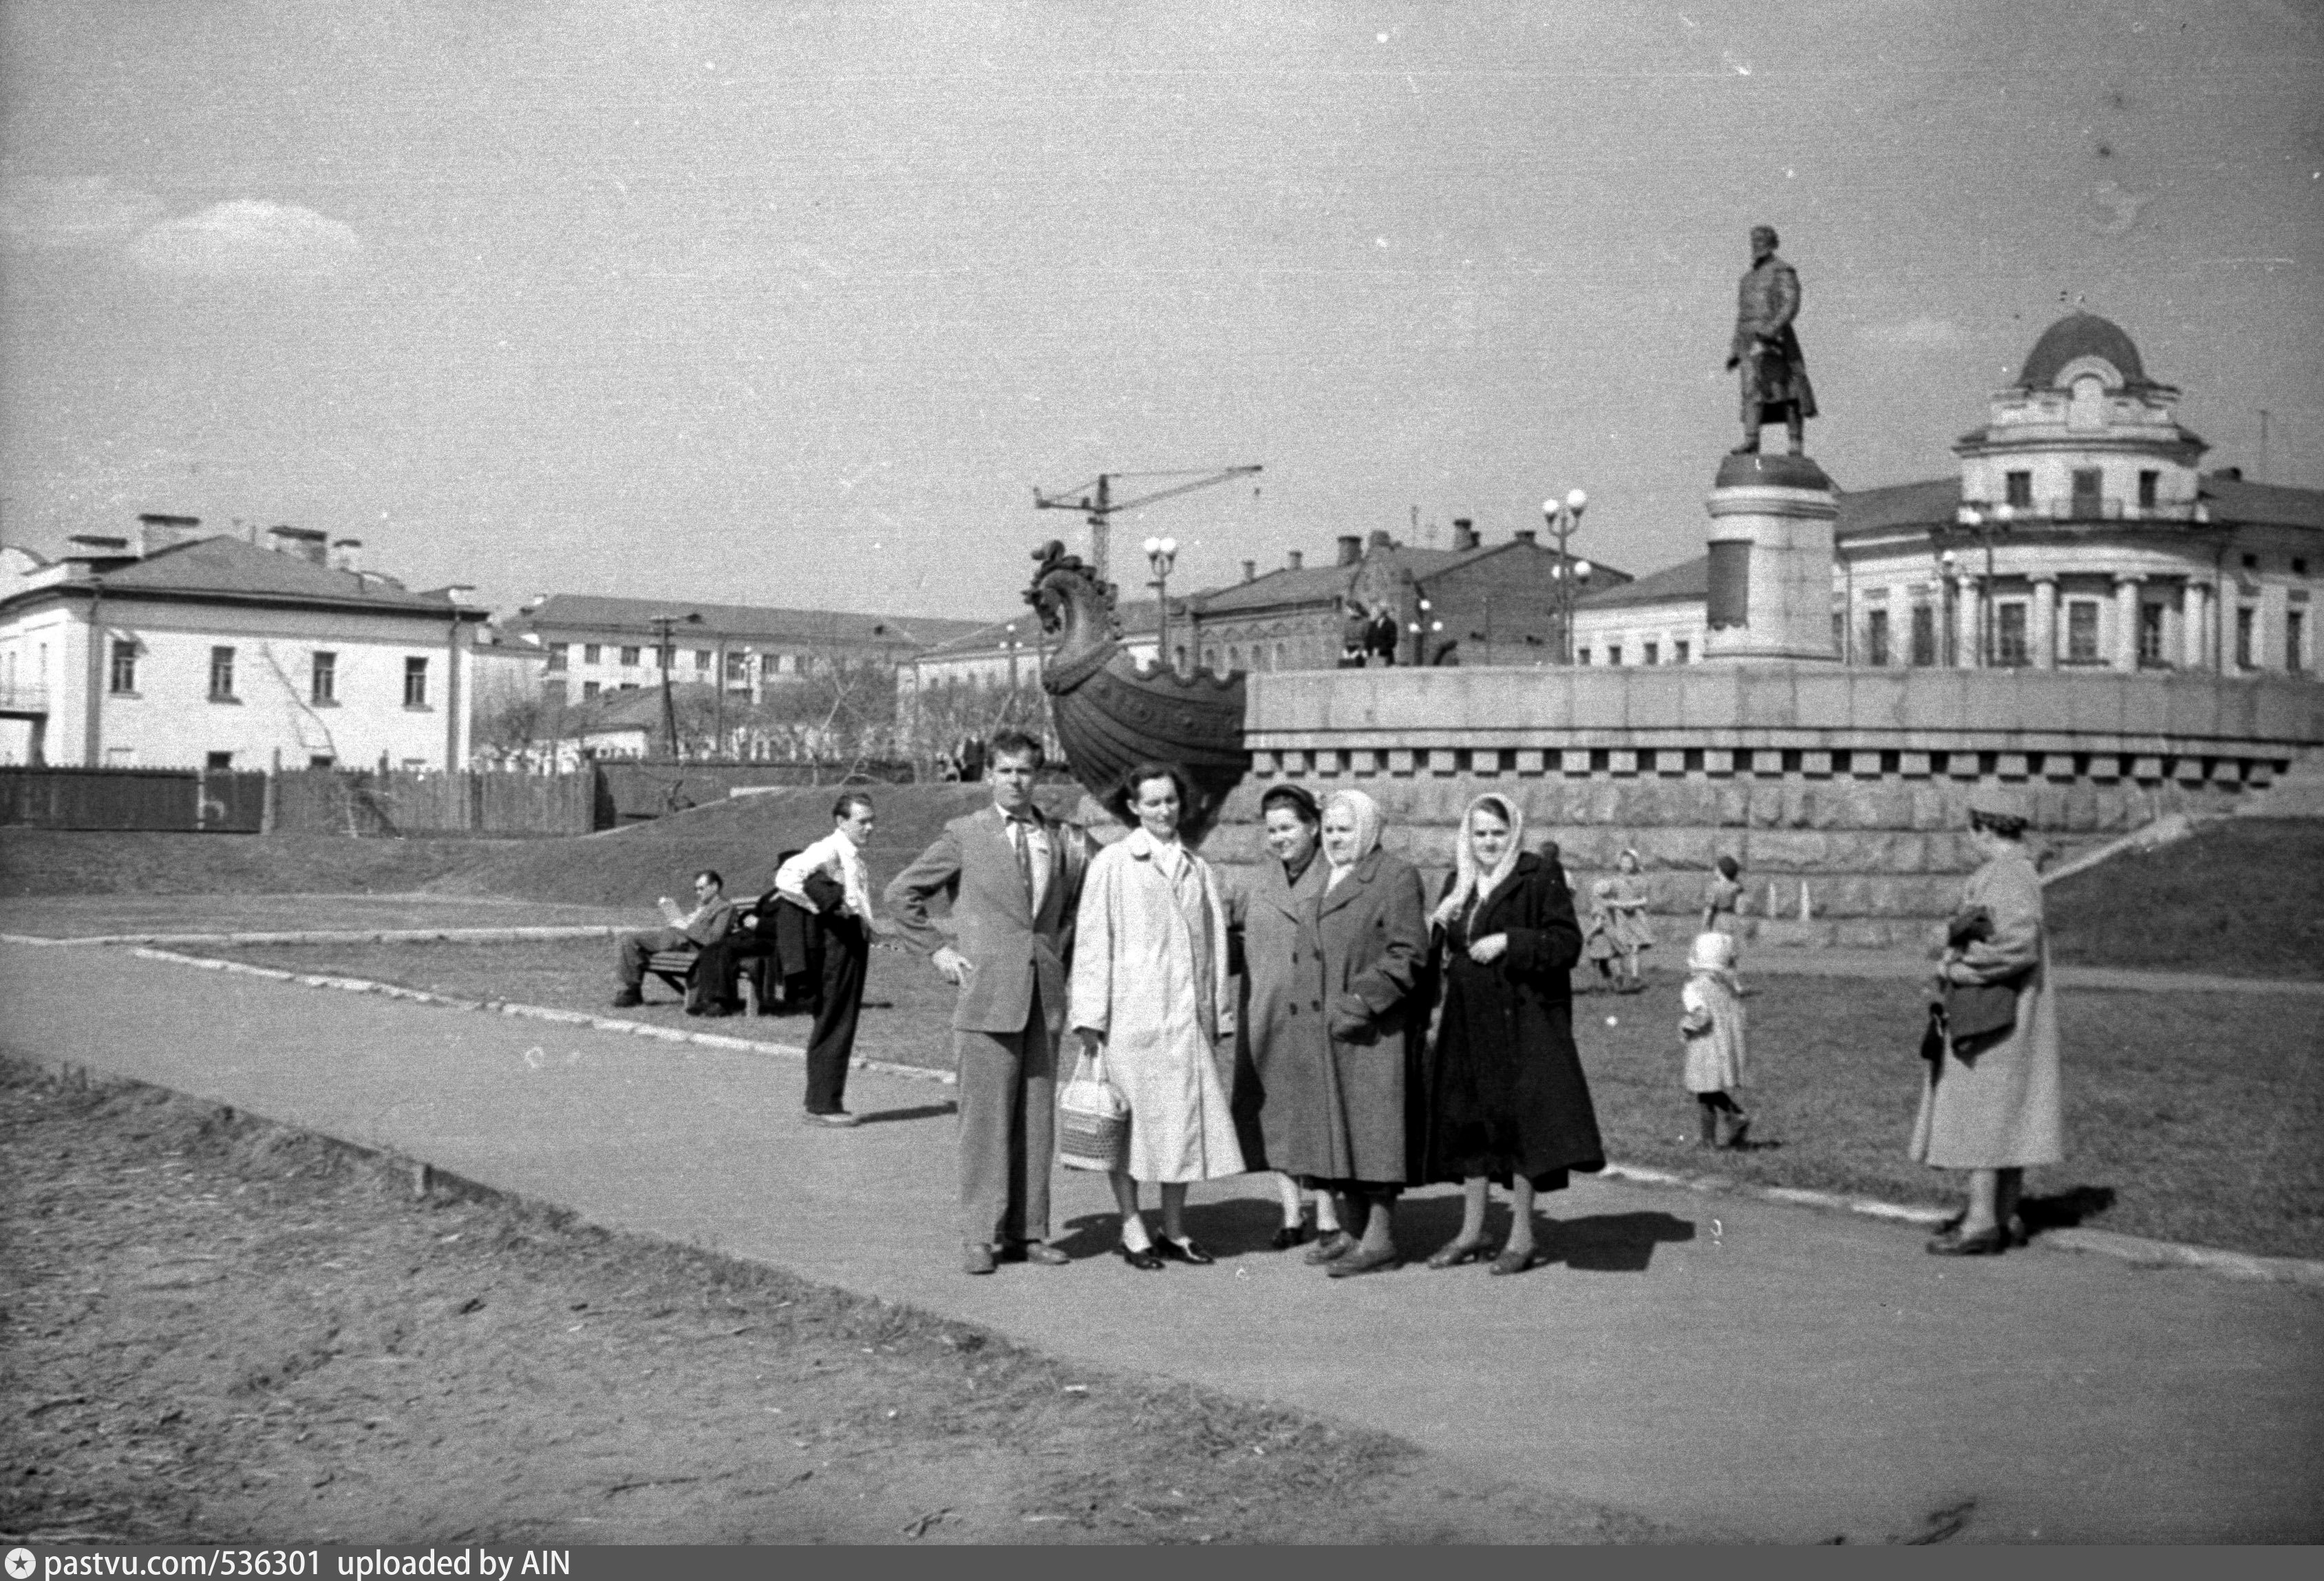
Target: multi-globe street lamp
1161, 553
1563, 517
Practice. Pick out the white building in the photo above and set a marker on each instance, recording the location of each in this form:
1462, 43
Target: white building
177, 649
2078, 533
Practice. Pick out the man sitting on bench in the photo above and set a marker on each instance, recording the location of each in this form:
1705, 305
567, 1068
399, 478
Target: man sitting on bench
707, 924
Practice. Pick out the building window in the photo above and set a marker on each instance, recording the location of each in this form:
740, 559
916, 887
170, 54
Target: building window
627, 686
2010, 633
590, 689
1924, 635
2149, 636
2081, 631
1613, 653
1582, 656
702, 658
326, 687
2246, 621
1680, 649
1652, 654
218, 760
2296, 630
589, 653
1875, 638
557, 652
2300, 568
2086, 489
221, 675
124, 668
2150, 484
630, 657
415, 683
738, 666
2020, 487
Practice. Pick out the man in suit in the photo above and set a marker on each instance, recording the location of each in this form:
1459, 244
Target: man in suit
1014, 879
702, 926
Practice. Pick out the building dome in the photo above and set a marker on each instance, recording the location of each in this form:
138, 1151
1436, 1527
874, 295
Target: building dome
2074, 337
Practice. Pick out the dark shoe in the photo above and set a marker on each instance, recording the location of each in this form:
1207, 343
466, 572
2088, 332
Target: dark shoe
1452, 1254
1039, 1251
836, 1118
1145, 1260
2019, 1236
714, 1012
1989, 1243
975, 1259
1737, 1131
1329, 1246
628, 997
1290, 1236
1514, 1262
1359, 1260
1184, 1251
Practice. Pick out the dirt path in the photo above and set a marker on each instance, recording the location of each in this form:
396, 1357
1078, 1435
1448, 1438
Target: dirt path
219, 1328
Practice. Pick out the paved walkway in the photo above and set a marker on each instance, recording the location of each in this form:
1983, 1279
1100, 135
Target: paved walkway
1735, 1367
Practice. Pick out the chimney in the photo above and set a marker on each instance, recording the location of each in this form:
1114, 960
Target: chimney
461, 593
156, 533
1524, 535
96, 546
1464, 533
1352, 549
311, 544
346, 554
1251, 570
1380, 538
1297, 560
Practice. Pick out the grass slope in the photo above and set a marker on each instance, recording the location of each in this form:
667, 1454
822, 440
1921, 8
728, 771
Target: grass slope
2243, 898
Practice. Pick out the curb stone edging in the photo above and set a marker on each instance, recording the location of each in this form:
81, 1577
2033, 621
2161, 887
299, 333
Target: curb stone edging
331, 936
2134, 1249
534, 1012
2137, 1250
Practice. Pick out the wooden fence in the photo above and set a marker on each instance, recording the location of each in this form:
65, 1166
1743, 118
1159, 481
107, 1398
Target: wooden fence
164, 800
332, 802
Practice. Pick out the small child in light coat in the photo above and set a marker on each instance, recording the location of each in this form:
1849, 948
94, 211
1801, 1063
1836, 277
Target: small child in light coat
1600, 942
1712, 1026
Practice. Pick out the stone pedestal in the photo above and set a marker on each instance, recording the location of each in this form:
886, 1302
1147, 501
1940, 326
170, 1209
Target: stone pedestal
1771, 527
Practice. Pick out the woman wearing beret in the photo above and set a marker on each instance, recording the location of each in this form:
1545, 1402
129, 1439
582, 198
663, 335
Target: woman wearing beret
1508, 1098
1990, 1102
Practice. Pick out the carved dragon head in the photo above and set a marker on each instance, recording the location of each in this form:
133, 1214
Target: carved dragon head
1074, 607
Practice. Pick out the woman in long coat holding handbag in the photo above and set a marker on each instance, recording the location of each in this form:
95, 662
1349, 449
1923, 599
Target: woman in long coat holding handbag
1149, 977
1991, 1104
1508, 1098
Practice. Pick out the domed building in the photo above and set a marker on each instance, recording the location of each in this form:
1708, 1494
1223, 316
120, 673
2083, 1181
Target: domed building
2079, 533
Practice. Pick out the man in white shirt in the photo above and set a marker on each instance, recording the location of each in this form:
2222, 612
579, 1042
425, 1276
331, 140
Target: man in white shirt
707, 924
847, 927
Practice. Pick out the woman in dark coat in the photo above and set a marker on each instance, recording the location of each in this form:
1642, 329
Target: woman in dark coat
1278, 1053
1508, 1098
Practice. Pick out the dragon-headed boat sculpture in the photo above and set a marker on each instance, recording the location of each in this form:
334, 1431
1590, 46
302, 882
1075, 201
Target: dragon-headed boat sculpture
1110, 714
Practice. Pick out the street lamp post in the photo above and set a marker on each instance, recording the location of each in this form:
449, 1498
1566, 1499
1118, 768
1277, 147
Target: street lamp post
1564, 519
664, 624
1978, 521
1161, 554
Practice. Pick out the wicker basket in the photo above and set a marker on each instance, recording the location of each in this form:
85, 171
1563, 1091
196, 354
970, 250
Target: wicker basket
1093, 1121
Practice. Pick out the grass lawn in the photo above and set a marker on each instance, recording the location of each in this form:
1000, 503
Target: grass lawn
2240, 899
2190, 1116
57, 862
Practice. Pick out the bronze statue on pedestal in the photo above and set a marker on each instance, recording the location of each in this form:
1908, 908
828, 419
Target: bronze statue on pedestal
1774, 371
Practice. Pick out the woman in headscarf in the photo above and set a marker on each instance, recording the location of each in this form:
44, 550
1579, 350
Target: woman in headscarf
1990, 1104
1508, 1098
1149, 975
1363, 964
1279, 1054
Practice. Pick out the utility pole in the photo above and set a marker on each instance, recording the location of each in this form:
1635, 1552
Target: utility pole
663, 625
1100, 506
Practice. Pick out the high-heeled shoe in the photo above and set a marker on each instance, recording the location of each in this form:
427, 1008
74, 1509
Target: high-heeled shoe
1184, 1251
1514, 1262
1290, 1236
2018, 1234
1363, 1260
1989, 1243
1143, 1259
1453, 1253
1329, 1246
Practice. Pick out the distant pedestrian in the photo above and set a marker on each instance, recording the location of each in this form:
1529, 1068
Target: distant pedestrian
1599, 944
1722, 899
1381, 637
1990, 1103
1353, 625
846, 927
1711, 1024
1626, 908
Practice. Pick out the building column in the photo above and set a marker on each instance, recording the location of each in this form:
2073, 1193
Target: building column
2190, 624
1967, 605
2125, 620
2045, 635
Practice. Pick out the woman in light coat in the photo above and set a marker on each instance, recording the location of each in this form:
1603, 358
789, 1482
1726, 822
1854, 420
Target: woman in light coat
1149, 976
1991, 1106
1279, 1054
1364, 969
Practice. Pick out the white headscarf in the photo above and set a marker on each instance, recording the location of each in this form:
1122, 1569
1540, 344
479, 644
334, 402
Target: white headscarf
1367, 830
1473, 883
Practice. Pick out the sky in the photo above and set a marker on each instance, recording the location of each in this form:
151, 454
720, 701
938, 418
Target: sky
798, 303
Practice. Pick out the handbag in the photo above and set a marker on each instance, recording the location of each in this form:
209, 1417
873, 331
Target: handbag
1092, 1120
1979, 1010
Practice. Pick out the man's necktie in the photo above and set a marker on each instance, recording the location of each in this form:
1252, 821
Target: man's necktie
1020, 834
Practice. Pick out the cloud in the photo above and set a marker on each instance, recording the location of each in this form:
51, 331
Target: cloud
249, 238
1921, 334
84, 211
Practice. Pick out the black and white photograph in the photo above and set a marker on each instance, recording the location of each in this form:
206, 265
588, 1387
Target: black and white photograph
1038, 772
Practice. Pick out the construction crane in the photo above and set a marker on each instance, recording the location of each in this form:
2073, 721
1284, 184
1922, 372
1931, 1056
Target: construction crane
1101, 505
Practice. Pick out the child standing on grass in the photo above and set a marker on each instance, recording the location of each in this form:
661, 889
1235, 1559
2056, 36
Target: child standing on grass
1599, 943
1711, 1024
1626, 907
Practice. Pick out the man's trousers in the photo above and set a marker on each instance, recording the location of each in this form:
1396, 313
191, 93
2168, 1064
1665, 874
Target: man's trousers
1008, 1131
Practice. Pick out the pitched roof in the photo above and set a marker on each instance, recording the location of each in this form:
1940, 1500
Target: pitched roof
1322, 583
1689, 580
589, 612
228, 568
2235, 499
1927, 503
